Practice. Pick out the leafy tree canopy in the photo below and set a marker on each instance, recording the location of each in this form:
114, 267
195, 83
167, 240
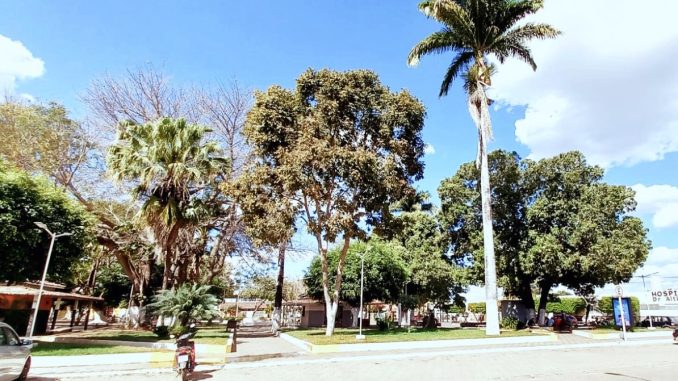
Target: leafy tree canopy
177, 172
385, 272
556, 222
434, 276
25, 200
344, 148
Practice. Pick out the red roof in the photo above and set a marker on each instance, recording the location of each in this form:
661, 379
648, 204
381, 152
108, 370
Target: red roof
26, 291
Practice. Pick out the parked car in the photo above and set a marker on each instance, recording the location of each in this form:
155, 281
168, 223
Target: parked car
675, 334
15, 354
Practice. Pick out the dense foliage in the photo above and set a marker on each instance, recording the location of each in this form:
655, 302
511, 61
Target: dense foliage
176, 171
343, 148
24, 200
556, 223
186, 303
384, 268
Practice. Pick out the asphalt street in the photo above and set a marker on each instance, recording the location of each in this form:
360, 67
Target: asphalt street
650, 360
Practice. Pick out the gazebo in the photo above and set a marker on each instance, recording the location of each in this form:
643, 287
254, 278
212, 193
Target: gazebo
17, 302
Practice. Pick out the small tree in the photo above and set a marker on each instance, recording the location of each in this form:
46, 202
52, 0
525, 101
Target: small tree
186, 303
384, 268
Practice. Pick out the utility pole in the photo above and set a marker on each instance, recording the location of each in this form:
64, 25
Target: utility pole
360, 335
645, 292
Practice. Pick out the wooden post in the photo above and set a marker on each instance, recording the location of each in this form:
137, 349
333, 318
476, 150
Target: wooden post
73, 311
55, 310
89, 309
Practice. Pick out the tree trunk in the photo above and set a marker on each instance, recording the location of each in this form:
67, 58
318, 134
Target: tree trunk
332, 301
492, 312
277, 303
167, 271
91, 279
525, 293
543, 298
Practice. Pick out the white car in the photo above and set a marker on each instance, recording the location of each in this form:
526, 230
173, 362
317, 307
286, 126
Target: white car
15, 354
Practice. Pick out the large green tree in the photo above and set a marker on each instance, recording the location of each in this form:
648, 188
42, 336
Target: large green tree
345, 148
461, 218
384, 268
433, 274
175, 169
24, 200
579, 231
557, 223
473, 30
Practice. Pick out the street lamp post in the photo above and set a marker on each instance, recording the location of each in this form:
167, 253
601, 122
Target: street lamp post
360, 335
44, 273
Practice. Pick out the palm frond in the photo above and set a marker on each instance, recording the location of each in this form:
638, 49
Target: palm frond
452, 15
438, 42
460, 63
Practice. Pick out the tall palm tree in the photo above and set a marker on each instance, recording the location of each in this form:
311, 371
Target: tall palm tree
473, 30
170, 164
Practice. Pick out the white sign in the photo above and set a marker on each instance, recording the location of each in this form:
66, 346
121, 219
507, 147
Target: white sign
667, 296
619, 291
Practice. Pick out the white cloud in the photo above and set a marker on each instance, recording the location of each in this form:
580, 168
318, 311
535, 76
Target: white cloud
429, 150
17, 63
659, 272
663, 263
660, 201
608, 86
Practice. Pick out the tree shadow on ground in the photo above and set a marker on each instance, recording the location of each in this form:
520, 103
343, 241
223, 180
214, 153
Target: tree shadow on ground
202, 375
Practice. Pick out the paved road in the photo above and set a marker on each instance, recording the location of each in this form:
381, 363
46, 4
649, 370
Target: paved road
649, 360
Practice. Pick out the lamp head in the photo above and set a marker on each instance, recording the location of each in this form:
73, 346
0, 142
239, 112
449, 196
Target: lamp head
41, 225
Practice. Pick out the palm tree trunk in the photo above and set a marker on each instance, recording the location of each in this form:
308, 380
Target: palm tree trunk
492, 313
478, 107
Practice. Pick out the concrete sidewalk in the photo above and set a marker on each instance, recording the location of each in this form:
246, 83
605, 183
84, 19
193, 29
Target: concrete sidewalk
253, 344
256, 344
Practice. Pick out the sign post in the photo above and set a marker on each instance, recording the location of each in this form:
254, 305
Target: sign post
620, 293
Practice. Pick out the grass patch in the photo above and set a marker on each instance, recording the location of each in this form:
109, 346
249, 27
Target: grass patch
347, 336
122, 335
67, 349
211, 335
205, 335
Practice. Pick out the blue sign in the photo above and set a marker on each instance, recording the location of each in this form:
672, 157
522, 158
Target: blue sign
626, 302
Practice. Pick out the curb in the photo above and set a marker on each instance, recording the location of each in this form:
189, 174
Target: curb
617, 335
430, 344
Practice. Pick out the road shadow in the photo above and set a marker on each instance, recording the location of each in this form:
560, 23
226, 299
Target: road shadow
203, 375
42, 379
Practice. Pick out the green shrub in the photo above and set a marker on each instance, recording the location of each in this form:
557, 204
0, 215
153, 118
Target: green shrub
178, 330
509, 322
455, 309
161, 331
384, 324
477, 308
569, 306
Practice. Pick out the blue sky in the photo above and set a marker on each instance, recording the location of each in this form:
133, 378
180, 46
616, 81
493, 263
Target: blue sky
603, 88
